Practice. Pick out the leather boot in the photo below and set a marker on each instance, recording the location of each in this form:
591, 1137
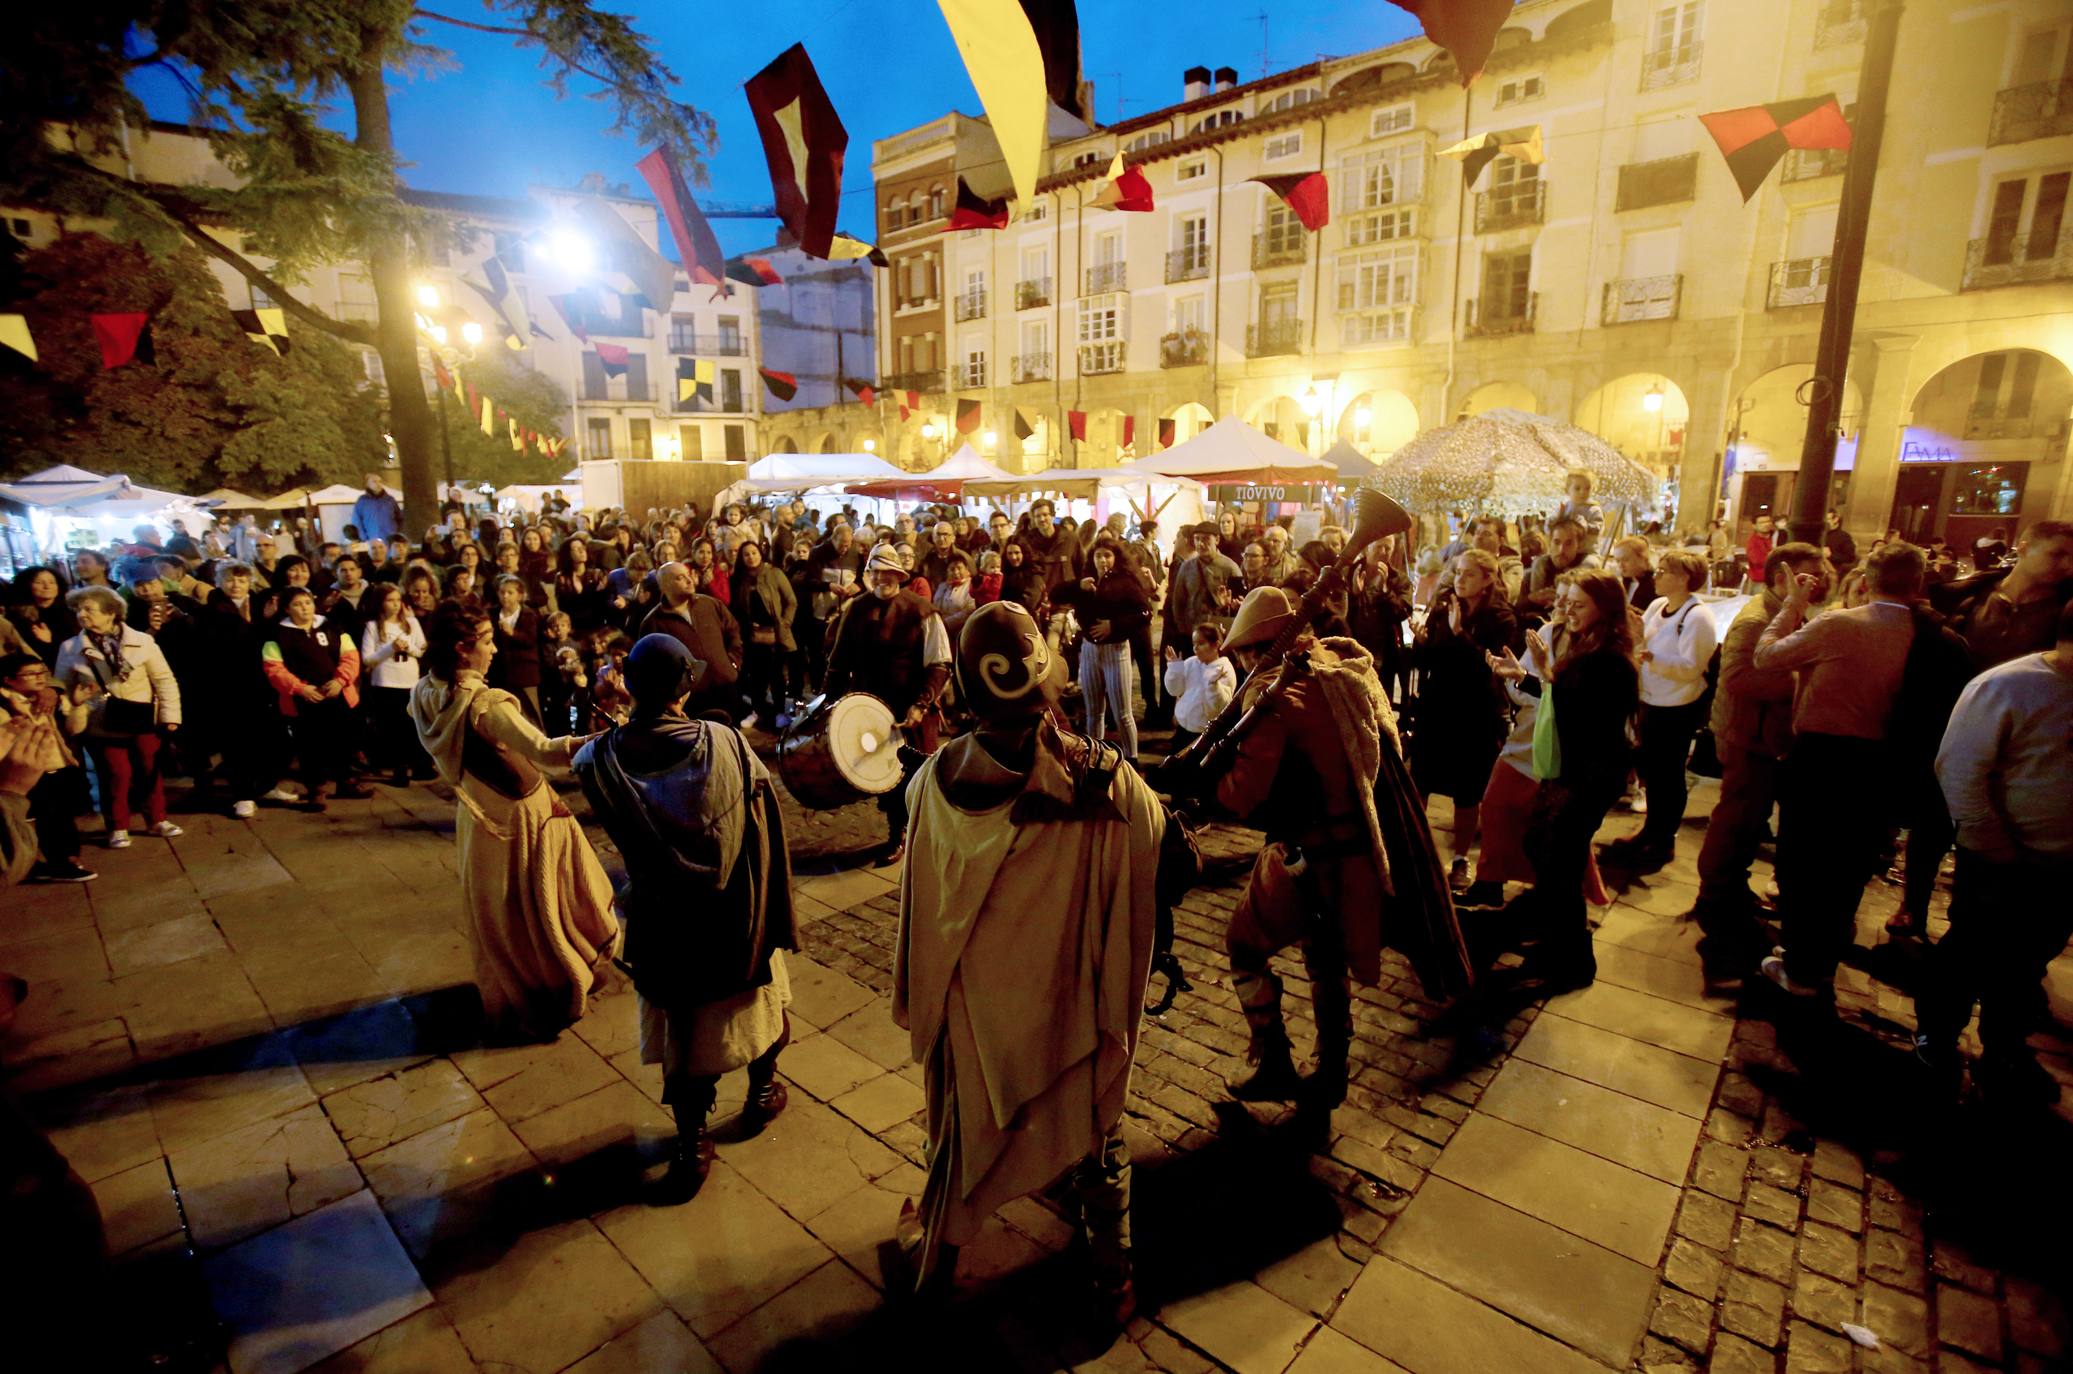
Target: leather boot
691, 1157
1327, 1082
1274, 1077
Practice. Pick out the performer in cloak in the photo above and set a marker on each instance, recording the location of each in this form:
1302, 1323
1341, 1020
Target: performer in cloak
1026, 930
707, 903
893, 645
1321, 769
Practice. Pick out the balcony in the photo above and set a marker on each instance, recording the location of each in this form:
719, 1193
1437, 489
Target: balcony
1032, 293
2018, 260
1797, 281
1376, 327
968, 376
1188, 264
1106, 276
1031, 367
926, 379
1279, 249
1099, 358
602, 326
1811, 164
698, 405
1274, 338
1632, 299
1187, 348
1500, 317
1840, 24
707, 345
970, 305
1665, 181
620, 393
2021, 113
1673, 66
1521, 203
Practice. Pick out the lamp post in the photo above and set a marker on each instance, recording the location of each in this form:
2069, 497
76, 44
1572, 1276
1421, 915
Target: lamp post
1652, 402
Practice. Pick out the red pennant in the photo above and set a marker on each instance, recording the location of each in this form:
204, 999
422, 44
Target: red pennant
123, 337
862, 390
1076, 424
971, 212
1166, 434
1467, 29
783, 385
474, 397
1129, 430
1307, 194
795, 118
967, 415
441, 376
697, 248
914, 400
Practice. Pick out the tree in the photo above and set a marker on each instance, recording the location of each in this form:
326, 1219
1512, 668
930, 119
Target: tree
533, 400
261, 74
213, 408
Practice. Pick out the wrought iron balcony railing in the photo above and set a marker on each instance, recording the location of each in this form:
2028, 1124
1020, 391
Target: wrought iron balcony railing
1500, 317
1671, 66
970, 376
1811, 164
1032, 293
1187, 348
1032, 367
1279, 249
1274, 338
2018, 259
1664, 181
1521, 203
1108, 356
1642, 298
707, 345
1840, 24
971, 305
928, 379
2043, 109
1797, 281
1106, 276
1188, 264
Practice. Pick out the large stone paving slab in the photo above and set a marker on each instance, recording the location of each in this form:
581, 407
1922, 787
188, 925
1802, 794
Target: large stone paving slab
1429, 1328
1242, 1325
1611, 1060
1651, 1020
242, 1182
1646, 1138
1626, 1212
374, 1115
1580, 1293
546, 1301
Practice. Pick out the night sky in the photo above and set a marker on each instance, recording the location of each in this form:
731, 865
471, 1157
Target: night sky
489, 126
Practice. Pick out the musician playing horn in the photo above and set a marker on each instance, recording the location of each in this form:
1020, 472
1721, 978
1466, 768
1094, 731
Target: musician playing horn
1312, 769
892, 644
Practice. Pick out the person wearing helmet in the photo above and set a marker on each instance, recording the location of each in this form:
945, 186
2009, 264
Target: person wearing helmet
1321, 771
707, 904
1027, 921
892, 644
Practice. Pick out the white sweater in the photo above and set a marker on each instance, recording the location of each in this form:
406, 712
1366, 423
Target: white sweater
378, 654
1201, 690
1679, 646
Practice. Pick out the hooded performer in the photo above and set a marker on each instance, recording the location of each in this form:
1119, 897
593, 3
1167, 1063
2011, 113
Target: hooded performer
1347, 844
707, 901
1026, 930
539, 904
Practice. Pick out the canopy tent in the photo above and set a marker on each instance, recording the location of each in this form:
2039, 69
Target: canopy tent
229, 498
1233, 453
58, 486
789, 472
1508, 460
944, 482
1353, 465
1147, 494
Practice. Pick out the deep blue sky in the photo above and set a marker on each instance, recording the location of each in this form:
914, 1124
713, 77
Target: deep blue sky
489, 126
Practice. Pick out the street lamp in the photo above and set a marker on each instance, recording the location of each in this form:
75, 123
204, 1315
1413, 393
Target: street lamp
991, 438
571, 252
929, 431
471, 332
1311, 402
870, 446
428, 296
439, 335
1652, 399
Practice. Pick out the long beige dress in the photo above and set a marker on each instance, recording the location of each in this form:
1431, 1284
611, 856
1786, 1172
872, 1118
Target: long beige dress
539, 902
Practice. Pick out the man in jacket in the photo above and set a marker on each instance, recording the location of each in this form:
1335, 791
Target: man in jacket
705, 627
1055, 553
1752, 729
376, 513
1203, 585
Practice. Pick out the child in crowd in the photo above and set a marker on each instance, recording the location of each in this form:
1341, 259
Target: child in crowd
558, 650
1201, 685
987, 585
315, 670
611, 701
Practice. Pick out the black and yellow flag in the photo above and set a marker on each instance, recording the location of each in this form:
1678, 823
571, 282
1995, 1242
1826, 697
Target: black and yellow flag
694, 378
266, 326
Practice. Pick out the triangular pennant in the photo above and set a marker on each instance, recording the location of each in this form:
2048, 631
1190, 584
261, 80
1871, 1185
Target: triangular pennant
123, 336
1006, 64
804, 143
653, 275
967, 415
1127, 189
1129, 430
488, 417
844, 247
972, 212
753, 272
494, 286
1166, 433
440, 376
697, 248
613, 358
571, 311
14, 333
864, 391
1523, 144
517, 444
1307, 195
1076, 424
1467, 29
1753, 138
1056, 24
1025, 427
914, 400
782, 385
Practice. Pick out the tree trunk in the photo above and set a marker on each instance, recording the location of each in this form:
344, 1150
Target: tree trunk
388, 263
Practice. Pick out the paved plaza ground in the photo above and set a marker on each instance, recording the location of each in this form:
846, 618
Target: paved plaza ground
258, 1045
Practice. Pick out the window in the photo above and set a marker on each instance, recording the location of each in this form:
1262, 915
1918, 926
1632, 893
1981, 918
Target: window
1036, 338
1189, 312
1088, 160
2026, 219
730, 335
730, 388
973, 372
1189, 171
1040, 209
261, 300
892, 214
510, 248
1288, 100
599, 444
1382, 177
1150, 140
1221, 119
1989, 489
1283, 145
1381, 227
935, 202
1191, 237
1673, 45
1521, 89
1102, 345
641, 438
737, 440
1278, 306
1376, 291
1506, 287
1393, 119
1666, 181
690, 443
370, 367
683, 334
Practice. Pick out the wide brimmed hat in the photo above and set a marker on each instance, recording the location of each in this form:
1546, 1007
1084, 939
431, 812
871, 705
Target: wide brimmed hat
1264, 613
883, 559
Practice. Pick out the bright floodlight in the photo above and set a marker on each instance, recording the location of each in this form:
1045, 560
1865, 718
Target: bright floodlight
472, 332
439, 334
571, 251
428, 296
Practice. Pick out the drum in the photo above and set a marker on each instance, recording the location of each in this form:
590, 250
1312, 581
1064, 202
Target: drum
840, 751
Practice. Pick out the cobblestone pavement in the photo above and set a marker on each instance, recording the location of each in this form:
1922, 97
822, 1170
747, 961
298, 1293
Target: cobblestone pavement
258, 1049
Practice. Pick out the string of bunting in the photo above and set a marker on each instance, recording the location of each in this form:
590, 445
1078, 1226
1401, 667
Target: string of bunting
483, 406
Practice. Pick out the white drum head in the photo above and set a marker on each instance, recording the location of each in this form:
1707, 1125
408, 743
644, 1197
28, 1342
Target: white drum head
864, 743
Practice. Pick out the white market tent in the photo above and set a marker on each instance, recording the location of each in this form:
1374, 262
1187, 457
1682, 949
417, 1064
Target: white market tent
63, 500
946, 481
801, 472
1233, 453
229, 498
1172, 500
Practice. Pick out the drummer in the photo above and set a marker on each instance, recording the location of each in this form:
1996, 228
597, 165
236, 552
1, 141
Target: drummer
892, 644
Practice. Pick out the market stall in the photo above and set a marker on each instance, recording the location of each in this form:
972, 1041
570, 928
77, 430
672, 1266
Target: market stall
1091, 493
64, 507
946, 482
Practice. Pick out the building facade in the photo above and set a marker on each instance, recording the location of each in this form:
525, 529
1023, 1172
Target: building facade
818, 327
635, 415
1622, 284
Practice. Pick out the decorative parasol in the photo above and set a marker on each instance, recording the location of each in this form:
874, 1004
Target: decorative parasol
1506, 459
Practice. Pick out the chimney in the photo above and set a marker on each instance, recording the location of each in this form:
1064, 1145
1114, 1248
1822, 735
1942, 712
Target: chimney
1227, 78
1194, 83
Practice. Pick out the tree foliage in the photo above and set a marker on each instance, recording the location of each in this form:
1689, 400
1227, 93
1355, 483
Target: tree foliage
212, 409
533, 400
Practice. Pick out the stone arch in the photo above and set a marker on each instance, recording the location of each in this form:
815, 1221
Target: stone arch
828, 443
1985, 446
1280, 416
1506, 394
1644, 415
1584, 16
1189, 418
1378, 423
1769, 426
786, 444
